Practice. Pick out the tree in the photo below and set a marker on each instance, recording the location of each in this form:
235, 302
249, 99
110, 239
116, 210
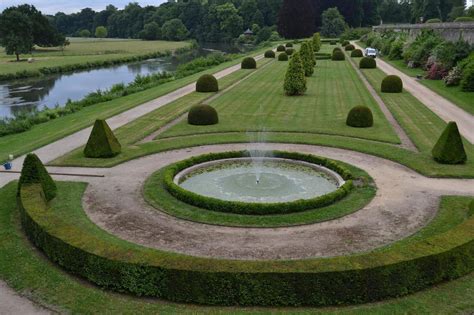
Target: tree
333, 23
101, 32
16, 34
307, 58
295, 81
84, 33
174, 30
316, 42
229, 21
296, 19
151, 31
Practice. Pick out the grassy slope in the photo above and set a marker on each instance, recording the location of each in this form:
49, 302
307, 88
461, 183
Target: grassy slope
259, 103
82, 51
30, 273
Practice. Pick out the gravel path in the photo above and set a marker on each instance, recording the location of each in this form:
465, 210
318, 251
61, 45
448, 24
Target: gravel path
445, 109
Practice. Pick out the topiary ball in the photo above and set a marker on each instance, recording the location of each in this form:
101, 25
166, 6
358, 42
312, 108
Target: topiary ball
283, 57
281, 48
289, 45
345, 43
338, 56
360, 117
367, 63
392, 84
202, 115
206, 84
349, 47
249, 63
290, 51
357, 53
269, 54
336, 49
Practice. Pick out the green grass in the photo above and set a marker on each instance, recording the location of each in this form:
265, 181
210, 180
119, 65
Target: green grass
156, 195
28, 272
85, 50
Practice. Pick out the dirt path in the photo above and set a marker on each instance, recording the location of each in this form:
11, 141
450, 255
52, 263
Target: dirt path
445, 109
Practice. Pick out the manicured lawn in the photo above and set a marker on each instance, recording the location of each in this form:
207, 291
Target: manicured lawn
85, 50
28, 272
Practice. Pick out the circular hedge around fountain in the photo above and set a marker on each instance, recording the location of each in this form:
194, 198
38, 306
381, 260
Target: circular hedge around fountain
392, 84
203, 115
360, 117
207, 83
249, 63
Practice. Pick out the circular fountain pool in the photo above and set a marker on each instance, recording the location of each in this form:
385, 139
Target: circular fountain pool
264, 180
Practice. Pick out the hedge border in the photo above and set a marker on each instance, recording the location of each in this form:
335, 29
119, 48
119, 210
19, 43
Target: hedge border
124, 267
247, 208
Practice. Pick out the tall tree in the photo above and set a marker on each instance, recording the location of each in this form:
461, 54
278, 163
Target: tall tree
296, 19
333, 23
16, 34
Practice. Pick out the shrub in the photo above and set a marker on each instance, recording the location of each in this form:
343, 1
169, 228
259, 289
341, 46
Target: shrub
102, 142
344, 43
307, 58
34, 172
289, 45
333, 42
290, 51
449, 149
202, 115
281, 48
357, 53
421, 49
360, 117
367, 63
349, 47
436, 72
207, 83
336, 49
249, 63
392, 84
430, 21
454, 77
338, 56
396, 50
316, 42
269, 54
464, 19
467, 82
283, 57
295, 81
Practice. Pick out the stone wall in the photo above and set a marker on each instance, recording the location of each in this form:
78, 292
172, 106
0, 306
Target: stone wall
449, 31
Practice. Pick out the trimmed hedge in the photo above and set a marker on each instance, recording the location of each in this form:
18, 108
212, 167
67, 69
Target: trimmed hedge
357, 53
336, 49
117, 265
289, 45
207, 83
281, 48
392, 84
449, 149
248, 208
360, 117
249, 63
34, 172
203, 115
367, 63
283, 57
338, 56
269, 54
349, 47
290, 51
102, 142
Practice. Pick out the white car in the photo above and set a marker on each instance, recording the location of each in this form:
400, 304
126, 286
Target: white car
371, 52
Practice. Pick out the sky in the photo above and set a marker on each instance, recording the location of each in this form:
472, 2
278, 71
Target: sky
69, 6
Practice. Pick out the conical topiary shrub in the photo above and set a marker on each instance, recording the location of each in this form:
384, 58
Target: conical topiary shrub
360, 117
34, 172
449, 149
102, 142
295, 80
307, 58
207, 83
316, 42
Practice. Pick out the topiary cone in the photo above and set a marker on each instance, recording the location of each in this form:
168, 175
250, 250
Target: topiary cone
34, 172
295, 80
449, 149
102, 142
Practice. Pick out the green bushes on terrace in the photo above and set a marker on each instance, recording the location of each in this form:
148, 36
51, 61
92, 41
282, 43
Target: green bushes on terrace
360, 117
281, 48
357, 53
203, 115
249, 63
207, 83
283, 57
269, 54
123, 267
367, 63
338, 56
34, 172
102, 142
349, 47
449, 149
392, 84
246, 208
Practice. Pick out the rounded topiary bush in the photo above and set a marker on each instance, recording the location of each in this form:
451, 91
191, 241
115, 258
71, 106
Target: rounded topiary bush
360, 117
349, 47
290, 51
283, 57
357, 53
367, 63
281, 48
338, 56
392, 84
289, 45
345, 43
336, 49
207, 83
269, 54
202, 115
249, 63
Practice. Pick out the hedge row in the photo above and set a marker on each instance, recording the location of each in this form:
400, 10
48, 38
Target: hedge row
247, 208
120, 266
322, 56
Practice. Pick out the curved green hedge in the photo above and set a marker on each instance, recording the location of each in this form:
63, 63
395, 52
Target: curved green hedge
246, 208
117, 265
